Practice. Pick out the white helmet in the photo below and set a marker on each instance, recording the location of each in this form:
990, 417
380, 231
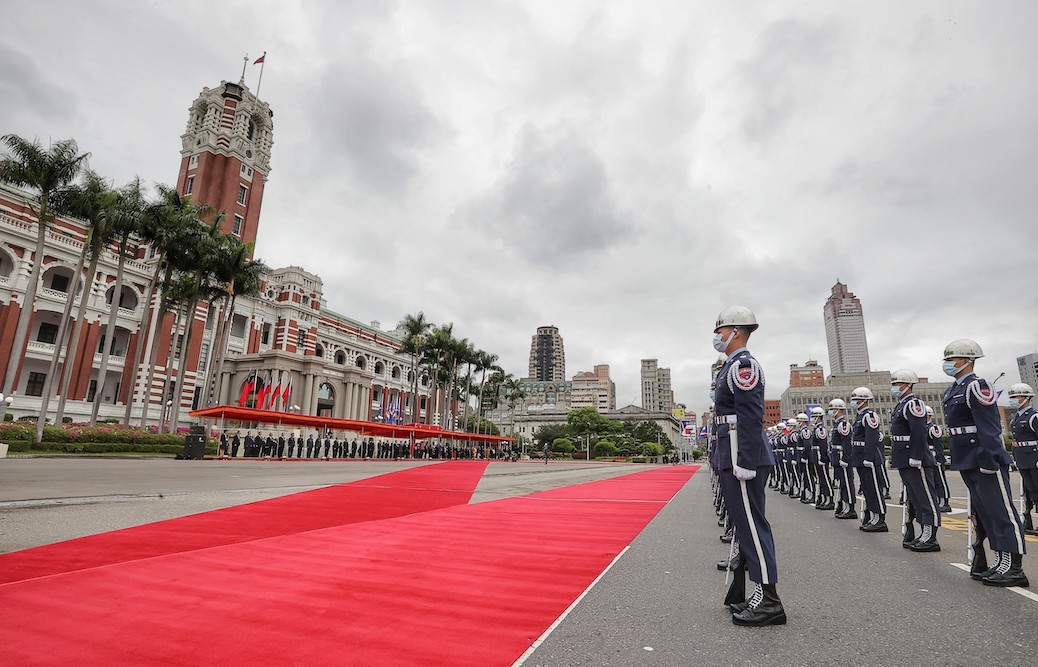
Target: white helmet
736, 316
837, 404
862, 394
963, 348
1020, 389
791, 422
929, 411
802, 417
903, 376
817, 412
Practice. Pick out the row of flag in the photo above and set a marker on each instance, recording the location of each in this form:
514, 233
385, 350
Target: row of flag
393, 413
270, 395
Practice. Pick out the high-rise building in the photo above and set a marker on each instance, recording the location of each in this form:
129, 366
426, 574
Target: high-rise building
594, 389
547, 356
772, 411
1028, 365
811, 374
225, 155
845, 332
656, 392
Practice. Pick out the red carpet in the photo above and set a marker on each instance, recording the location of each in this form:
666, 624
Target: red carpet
464, 585
391, 495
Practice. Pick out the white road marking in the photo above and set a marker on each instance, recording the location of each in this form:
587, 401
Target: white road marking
1016, 589
551, 628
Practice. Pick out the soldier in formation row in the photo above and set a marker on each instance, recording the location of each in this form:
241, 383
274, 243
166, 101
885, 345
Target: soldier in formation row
828, 468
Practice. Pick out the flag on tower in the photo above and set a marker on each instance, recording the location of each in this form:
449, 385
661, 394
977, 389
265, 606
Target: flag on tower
260, 59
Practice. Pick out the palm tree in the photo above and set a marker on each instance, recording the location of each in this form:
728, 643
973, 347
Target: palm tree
415, 329
513, 394
47, 171
485, 361
169, 224
468, 358
92, 200
126, 218
241, 276
434, 355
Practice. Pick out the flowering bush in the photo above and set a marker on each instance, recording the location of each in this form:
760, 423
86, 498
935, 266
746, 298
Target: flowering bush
17, 431
81, 432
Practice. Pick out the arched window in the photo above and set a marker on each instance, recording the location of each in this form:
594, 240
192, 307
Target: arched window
396, 373
340, 358
325, 400
380, 368
319, 351
361, 361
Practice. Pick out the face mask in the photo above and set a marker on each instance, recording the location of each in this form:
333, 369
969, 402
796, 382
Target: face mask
951, 369
831, 413
721, 344
895, 391
1015, 404
859, 406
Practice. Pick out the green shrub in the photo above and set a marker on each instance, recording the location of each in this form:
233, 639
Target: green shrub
563, 445
17, 431
640, 459
604, 448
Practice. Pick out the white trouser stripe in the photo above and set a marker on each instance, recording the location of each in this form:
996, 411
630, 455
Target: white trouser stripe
929, 498
1009, 510
753, 533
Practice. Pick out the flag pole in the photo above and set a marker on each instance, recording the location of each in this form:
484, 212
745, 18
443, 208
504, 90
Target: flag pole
263, 63
244, 65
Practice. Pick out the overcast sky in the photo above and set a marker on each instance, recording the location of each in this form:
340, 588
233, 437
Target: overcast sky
621, 170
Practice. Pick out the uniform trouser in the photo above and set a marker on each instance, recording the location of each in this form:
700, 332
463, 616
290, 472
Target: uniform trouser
884, 481
871, 490
845, 477
920, 493
993, 504
1030, 477
745, 503
807, 474
824, 486
940, 482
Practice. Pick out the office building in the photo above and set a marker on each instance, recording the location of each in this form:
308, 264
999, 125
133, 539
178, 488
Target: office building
845, 332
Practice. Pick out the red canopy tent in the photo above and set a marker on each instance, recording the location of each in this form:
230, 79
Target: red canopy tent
419, 431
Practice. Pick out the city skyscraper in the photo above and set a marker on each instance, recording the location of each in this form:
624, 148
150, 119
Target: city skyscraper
547, 356
1028, 365
845, 332
656, 392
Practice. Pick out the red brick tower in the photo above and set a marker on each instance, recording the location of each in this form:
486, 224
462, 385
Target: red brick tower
226, 155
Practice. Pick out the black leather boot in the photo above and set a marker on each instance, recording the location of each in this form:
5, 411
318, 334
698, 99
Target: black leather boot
762, 608
1008, 572
1028, 525
876, 524
927, 540
735, 598
908, 534
979, 566
732, 561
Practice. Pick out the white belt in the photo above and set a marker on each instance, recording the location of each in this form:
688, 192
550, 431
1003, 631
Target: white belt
838, 448
858, 443
960, 430
1026, 443
900, 438
726, 419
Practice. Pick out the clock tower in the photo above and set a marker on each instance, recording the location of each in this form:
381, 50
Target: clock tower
225, 157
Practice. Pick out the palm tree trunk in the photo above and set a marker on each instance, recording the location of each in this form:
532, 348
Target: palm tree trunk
59, 343
170, 359
225, 333
28, 304
77, 331
153, 347
109, 339
143, 333
178, 392
468, 385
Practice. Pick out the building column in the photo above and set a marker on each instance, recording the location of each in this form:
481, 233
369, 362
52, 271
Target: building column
347, 400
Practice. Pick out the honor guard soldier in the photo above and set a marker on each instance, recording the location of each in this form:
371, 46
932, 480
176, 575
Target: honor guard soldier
818, 460
1024, 429
793, 457
866, 457
744, 463
910, 455
807, 488
840, 453
940, 477
975, 442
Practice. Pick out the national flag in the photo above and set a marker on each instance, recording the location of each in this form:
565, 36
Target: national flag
260, 59
285, 393
246, 388
262, 390
274, 394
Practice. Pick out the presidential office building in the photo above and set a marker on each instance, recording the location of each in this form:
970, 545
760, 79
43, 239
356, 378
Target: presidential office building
840, 385
335, 365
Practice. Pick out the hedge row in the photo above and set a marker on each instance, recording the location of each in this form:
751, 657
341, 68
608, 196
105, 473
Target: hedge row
84, 434
104, 447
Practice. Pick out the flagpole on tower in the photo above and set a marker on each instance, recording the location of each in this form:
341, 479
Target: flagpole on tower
245, 63
262, 60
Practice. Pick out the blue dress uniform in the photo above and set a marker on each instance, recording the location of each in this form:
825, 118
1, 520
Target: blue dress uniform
739, 403
866, 457
910, 455
975, 443
1024, 428
793, 462
808, 489
843, 469
818, 460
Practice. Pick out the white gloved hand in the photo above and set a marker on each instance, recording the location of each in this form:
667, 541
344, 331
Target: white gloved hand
988, 472
844, 464
915, 463
743, 474
870, 464
803, 460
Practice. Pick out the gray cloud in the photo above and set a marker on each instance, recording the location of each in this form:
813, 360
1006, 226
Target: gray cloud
28, 90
